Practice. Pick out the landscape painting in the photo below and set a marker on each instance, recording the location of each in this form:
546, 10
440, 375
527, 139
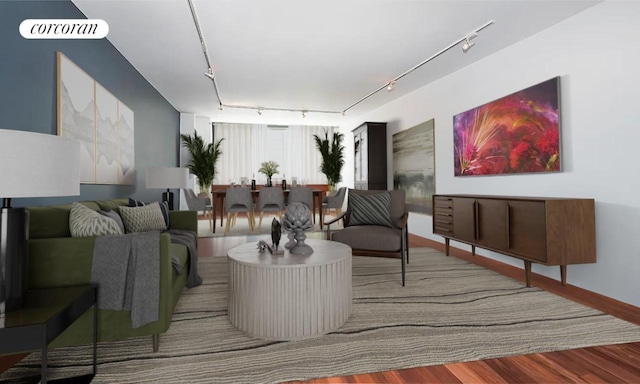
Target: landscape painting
76, 118
414, 166
519, 133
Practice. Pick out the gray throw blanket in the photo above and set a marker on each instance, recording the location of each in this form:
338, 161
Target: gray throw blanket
127, 270
188, 239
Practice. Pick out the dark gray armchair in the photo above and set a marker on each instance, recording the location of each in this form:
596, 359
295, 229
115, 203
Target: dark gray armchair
389, 239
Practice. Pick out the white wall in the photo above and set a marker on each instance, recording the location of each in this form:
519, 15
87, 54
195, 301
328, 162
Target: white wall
597, 55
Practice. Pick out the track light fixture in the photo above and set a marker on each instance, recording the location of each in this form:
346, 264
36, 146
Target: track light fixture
390, 86
467, 43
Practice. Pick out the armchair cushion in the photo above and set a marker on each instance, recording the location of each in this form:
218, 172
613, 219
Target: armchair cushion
370, 209
370, 238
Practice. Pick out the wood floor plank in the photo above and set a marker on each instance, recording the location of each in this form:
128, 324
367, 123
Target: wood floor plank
475, 372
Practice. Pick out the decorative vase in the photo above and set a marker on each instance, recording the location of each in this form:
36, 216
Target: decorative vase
332, 187
298, 219
269, 181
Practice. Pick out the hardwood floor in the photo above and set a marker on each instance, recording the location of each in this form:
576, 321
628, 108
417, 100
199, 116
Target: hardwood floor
603, 364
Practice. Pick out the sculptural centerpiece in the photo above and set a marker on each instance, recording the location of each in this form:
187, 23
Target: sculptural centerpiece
297, 219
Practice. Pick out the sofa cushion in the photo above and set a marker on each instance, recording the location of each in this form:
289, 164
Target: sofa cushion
370, 209
143, 219
85, 222
370, 238
110, 205
164, 207
52, 221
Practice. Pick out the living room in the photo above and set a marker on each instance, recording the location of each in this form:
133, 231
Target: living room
593, 52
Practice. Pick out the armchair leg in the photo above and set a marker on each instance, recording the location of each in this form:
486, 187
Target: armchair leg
156, 342
404, 253
406, 241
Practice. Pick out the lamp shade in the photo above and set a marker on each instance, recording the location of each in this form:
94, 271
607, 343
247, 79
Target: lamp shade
167, 177
38, 165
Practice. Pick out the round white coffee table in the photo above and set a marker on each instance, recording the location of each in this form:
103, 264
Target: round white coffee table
290, 297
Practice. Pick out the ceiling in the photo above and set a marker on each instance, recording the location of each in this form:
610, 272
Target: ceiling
308, 54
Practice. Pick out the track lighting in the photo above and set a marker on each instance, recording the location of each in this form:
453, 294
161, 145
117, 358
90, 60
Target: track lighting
390, 86
468, 43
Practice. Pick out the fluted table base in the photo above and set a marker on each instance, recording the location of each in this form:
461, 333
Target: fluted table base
290, 297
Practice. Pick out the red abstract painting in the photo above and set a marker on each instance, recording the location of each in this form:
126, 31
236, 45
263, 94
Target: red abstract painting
519, 133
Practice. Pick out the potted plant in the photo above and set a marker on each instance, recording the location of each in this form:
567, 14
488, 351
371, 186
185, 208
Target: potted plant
269, 168
332, 157
203, 159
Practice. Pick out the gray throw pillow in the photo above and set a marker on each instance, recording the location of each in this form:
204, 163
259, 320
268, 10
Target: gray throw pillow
370, 209
85, 222
113, 215
143, 219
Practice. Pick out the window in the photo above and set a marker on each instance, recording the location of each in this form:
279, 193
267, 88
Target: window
247, 145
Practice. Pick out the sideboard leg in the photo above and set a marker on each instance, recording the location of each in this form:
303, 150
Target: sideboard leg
473, 250
446, 246
563, 274
527, 272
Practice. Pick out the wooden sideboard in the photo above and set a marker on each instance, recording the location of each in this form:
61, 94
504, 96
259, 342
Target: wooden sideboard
549, 231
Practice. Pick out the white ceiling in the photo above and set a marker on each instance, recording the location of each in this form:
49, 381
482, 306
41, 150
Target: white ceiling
308, 54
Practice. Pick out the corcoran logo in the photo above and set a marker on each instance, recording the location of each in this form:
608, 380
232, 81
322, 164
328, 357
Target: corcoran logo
64, 29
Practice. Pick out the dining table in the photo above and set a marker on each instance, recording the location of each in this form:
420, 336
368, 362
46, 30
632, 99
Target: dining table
219, 195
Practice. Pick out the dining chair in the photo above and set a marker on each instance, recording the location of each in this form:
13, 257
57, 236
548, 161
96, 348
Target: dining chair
238, 199
334, 202
270, 199
200, 204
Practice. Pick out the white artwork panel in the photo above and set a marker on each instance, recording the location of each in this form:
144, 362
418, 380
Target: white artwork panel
76, 113
106, 136
126, 158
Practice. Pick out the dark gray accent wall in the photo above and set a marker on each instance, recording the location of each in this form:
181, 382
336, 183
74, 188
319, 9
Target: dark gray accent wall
28, 94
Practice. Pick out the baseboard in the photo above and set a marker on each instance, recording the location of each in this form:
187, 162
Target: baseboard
585, 297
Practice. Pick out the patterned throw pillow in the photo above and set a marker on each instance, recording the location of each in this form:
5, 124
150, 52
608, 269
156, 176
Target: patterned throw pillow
143, 219
370, 209
85, 222
164, 207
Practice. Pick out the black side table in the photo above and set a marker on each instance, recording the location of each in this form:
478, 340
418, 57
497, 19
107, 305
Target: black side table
46, 314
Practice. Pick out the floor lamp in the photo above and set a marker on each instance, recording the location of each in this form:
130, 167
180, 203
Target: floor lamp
167, 178
31, 165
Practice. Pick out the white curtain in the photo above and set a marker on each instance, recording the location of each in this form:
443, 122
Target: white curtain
240, 150
305, 159
246, 146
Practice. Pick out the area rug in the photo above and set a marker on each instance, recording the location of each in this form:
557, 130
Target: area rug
449, 311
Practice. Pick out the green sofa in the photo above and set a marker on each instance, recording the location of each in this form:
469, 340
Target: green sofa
56, 259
